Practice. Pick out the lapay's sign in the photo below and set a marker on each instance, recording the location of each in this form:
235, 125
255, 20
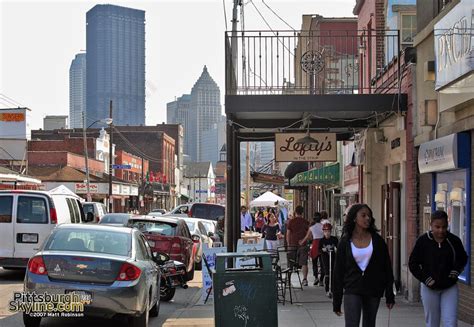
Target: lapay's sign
323, 149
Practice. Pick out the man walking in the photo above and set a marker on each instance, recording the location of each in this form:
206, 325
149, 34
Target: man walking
245, 219
296, 231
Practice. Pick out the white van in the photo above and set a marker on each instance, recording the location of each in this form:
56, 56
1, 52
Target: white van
98, 209
27, 218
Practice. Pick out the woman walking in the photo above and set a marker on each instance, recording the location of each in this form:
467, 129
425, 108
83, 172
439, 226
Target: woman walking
272, 232
315, 233
436, 261
363, 270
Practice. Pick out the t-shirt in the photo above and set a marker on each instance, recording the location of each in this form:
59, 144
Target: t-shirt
298, 228
317, 231
271, 232
362, 255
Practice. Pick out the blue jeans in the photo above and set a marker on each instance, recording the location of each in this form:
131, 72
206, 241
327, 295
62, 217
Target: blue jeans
355, 304
440, 305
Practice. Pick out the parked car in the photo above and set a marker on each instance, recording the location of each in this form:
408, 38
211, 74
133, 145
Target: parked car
201, 235
156, 210
169, 235
208, 211
27, 218
98, 209
180, 210
116, 219
112, 268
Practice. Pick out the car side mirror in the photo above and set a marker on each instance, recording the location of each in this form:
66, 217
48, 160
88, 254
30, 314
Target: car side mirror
89, 217
195, 238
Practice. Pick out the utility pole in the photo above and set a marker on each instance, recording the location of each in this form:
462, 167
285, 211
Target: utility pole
247, 176
233, 41
111, 204
86, 157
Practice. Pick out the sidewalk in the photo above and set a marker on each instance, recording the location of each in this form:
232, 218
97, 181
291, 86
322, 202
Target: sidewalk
310, 307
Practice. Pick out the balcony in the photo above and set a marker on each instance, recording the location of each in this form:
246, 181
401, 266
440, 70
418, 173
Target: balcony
334, 76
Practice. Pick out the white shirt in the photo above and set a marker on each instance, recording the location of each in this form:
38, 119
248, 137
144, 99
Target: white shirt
317, 231
362, 255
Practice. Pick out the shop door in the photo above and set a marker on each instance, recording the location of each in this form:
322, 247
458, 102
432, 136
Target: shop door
391, 218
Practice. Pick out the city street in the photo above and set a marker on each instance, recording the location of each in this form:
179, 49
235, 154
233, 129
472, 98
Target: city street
11, 281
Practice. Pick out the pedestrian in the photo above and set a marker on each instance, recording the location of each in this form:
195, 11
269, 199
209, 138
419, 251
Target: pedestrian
324, 217
437, 259
296, 231
245, 219
363, 269
272, 233
327, 250
315, 233
259, 221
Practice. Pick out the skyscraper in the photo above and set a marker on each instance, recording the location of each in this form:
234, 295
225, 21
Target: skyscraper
177, 112
205, 110
116, 64
77, 90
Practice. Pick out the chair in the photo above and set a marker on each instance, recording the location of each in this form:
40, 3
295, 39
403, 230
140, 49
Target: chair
283, 271
294, 261
210, 274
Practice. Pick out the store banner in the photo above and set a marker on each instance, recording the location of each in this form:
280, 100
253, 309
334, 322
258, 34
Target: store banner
322, 149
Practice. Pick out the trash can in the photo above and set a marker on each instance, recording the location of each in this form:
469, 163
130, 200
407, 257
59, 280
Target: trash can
245, 296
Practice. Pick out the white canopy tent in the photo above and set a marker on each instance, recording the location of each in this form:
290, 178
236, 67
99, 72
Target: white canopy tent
268, 199
64, 190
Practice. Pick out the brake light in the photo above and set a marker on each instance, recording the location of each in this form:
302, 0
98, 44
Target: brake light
53, 215
176, 247
128, 272
36, 266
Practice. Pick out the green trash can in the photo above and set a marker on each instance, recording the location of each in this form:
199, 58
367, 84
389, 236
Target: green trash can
246, 296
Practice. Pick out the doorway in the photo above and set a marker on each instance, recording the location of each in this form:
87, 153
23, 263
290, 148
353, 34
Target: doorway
391, 219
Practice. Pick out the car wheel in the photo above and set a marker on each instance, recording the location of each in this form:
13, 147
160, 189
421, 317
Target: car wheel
31, 321
167, 293
142, 319
190, 275
155, 310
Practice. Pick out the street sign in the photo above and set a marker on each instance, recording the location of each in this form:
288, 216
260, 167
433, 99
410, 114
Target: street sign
122, 166
201, 191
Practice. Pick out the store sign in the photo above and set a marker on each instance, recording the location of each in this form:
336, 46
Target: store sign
438, 155
81, 188
454, 44
12, 117
323, 149
115, 189
134, 191
125, 189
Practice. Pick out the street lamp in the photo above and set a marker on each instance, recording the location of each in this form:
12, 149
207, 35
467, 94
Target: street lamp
107, 121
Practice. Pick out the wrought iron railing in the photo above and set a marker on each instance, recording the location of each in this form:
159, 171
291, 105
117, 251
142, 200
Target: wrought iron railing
309, 62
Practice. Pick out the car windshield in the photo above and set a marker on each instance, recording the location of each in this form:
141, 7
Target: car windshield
96, 241
114, 219
146, 226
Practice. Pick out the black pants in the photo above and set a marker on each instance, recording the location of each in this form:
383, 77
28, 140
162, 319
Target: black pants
355, 304
317, 269
324, 258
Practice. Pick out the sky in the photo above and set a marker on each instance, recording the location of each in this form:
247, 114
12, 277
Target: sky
39, 39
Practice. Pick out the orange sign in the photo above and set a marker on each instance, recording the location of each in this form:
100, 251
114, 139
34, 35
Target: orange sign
9, 116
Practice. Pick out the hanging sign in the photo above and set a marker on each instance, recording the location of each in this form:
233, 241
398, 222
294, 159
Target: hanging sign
322, 149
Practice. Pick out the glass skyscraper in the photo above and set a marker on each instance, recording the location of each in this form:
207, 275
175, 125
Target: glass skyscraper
77, 90
116, 64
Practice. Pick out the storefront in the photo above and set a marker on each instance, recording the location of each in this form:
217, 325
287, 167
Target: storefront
448, 160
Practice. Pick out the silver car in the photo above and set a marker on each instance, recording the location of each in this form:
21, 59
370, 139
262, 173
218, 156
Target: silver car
111, 269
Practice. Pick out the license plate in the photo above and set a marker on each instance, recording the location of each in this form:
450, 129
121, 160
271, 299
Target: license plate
85, 297
29, 238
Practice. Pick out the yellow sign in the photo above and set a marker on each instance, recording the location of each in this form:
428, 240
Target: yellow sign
13, 117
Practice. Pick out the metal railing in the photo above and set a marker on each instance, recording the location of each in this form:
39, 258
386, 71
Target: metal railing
309, 62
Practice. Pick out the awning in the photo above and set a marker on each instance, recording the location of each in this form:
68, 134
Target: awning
327, 175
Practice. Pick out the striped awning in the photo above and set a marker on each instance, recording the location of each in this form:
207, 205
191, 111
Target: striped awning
327, 175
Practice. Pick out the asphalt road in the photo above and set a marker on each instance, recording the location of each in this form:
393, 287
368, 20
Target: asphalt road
11, 281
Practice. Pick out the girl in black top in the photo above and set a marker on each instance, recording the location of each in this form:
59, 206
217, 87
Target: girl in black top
363, 270
436, 261
272, 232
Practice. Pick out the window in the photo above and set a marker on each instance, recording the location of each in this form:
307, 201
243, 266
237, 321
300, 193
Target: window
32, 210
6, 203
407, 29
72, 212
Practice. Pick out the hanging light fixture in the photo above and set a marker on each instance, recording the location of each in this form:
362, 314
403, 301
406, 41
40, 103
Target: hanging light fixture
307, 139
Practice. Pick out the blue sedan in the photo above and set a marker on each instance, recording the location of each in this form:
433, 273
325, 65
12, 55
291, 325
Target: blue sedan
110, 269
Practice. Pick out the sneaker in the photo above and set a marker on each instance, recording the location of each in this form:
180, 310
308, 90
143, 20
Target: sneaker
329, 295
315, 283
304, 282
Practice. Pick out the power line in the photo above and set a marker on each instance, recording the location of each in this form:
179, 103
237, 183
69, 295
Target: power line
12, 100
225, 15
278, 16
